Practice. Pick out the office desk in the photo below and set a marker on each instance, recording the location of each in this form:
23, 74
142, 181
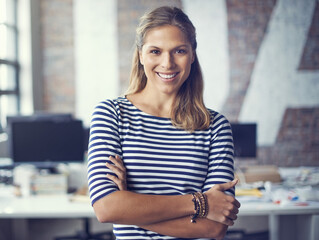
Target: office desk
21, 209
56, 206
275, 211
50, 206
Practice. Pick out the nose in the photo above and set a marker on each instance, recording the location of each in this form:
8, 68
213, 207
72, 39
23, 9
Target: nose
167, 61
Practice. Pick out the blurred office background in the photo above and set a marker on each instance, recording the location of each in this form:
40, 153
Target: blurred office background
260, 60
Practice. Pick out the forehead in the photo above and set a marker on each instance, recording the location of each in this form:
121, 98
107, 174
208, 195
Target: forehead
165, 35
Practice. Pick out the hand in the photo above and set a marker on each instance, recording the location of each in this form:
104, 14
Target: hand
119, 170
222, 208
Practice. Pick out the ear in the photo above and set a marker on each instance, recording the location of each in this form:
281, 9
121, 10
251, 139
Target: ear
141, 57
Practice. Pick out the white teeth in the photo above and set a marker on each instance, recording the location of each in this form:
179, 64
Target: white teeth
166, 75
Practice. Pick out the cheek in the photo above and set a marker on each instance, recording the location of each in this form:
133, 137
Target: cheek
187, 65
149, 63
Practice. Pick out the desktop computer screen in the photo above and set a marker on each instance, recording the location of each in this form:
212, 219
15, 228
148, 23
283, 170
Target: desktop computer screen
245, 139
46, 141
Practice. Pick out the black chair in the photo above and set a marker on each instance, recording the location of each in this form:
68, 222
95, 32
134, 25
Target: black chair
87, 235
242, 235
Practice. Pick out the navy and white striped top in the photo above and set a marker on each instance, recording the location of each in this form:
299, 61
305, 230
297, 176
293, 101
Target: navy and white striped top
159, 158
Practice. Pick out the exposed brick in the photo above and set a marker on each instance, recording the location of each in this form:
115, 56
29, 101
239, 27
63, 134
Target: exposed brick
297, 143
310, 57
58, 55
247, 23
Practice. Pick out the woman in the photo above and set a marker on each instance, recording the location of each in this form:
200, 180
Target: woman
175, 155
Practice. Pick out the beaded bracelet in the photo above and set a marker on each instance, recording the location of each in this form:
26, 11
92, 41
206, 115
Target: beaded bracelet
203, 204
200, 206
196, 208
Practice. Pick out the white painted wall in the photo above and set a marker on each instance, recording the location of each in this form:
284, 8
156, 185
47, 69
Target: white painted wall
96, 55
276, 83
26, 58
210, 20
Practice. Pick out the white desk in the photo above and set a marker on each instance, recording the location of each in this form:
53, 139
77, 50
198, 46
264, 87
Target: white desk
19, 210
60, 207
55, 206
275, 211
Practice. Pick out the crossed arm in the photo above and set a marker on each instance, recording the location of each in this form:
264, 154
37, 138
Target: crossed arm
167, 215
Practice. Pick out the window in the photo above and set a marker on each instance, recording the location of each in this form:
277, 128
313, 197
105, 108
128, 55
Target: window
9, 66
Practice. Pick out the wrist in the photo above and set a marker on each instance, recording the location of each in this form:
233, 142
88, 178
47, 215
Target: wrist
200, 206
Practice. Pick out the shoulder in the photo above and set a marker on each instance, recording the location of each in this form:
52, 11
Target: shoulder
110, 105
218, 120
107, 109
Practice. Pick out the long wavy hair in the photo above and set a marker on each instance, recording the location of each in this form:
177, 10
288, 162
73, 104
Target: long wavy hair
188, 111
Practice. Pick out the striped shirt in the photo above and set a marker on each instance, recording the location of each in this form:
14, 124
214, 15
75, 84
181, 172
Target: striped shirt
159, 158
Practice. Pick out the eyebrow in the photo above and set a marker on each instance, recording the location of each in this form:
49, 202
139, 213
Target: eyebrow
179, 46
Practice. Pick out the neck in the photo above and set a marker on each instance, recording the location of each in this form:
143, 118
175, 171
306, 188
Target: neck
157, 105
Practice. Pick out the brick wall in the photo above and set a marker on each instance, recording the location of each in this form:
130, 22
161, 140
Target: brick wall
310, 57
247, 24
297, 140
297, 143
57, 55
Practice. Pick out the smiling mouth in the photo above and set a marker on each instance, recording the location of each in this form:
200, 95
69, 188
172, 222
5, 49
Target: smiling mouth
167, 76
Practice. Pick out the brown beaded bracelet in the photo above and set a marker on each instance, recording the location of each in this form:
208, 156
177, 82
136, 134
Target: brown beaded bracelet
196, 208
200, 206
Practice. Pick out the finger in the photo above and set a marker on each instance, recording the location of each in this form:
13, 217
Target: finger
117, 161
235, 211
112, 177
232, 209
121, 184
227, 221
226, 186
233, 201
120, 162
237, 204
230, 215
119, 172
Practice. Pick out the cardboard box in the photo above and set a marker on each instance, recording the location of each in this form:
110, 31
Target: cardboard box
260, 173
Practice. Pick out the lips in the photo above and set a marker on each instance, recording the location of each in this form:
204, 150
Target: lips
167, 76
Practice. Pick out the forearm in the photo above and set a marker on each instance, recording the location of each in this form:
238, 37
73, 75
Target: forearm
183, 228
126, 207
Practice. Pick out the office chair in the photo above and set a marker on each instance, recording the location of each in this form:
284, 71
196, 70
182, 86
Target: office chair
242, 235
87, 235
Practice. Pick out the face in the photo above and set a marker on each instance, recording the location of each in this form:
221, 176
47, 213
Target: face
166, 57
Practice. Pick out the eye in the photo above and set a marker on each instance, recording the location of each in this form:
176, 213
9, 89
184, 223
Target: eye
154, 51
181, 51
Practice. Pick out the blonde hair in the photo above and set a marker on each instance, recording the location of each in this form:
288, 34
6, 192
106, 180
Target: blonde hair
188, 111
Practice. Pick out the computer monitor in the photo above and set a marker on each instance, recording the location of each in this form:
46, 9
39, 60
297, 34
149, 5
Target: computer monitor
245, 139
44, 141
